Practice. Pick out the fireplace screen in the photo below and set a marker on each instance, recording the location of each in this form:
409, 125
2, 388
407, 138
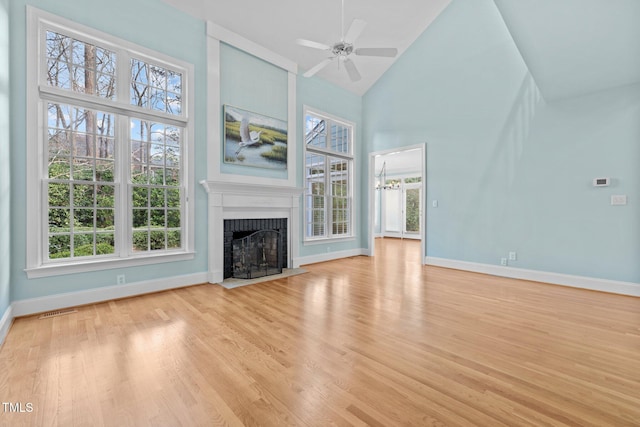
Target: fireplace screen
258, 254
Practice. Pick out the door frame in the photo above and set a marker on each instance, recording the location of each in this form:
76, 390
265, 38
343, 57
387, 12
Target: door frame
371, 191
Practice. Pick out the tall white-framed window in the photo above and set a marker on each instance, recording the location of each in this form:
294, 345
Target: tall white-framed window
109, 151
329, 172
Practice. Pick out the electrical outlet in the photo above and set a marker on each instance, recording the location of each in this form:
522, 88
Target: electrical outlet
503, 261
120, 279
434, 203
513, 256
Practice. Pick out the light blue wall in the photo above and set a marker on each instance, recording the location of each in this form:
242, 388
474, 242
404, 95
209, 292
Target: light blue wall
252, 84
328, 98
247, 82
555, 217
5, 161
149, 23
510, 172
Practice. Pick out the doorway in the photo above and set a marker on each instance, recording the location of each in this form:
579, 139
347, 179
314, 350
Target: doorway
397, 191
400, 208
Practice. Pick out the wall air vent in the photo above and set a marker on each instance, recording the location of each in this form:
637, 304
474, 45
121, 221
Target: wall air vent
601, 182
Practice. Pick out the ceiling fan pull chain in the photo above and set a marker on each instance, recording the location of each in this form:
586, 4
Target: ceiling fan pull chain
342, 22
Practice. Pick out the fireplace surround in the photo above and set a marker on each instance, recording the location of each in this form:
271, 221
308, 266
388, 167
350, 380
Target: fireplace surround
241, 201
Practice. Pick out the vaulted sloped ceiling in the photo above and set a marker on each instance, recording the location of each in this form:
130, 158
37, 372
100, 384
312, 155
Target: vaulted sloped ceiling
572, 47
276, 24
575, 47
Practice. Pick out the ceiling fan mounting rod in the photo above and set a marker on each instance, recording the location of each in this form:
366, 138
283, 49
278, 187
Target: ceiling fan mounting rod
342, 22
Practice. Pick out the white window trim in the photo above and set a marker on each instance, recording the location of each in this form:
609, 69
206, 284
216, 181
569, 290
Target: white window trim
36, 233
349, 156
322, 240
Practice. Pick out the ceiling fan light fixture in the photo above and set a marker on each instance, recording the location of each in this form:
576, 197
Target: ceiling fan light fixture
344, 48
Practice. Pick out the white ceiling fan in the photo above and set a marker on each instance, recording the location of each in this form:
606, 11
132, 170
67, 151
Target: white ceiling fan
344, 48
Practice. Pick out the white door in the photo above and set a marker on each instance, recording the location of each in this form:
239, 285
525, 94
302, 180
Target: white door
411, 210
402, 211
392, 201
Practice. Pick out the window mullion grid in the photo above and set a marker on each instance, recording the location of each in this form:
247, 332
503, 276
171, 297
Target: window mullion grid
122, 188
336, 154
350, 185
326, 198
164, 187
349, 215
95, 217
85, 101
50, 187
43, 160
123, 79
43, 247
328, 154
328, 190
182, 176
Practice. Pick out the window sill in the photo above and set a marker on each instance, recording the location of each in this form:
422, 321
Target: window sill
47, 270
326, 240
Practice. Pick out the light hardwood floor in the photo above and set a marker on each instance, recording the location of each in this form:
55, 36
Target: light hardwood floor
377, 341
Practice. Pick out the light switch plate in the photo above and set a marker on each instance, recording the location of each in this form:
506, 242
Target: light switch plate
619, 200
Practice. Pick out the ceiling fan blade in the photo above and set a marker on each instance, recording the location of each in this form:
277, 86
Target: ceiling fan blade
354, 75
389, 52
354, 30
318, 67
312, 44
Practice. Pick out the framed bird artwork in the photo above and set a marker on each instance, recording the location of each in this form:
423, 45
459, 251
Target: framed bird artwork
252, 139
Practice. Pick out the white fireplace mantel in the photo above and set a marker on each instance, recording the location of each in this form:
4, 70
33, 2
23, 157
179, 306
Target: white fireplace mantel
228, 200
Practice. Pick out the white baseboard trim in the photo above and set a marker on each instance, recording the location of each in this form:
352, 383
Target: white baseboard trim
591, 283
215, 276
329, 256
5, 323
29, 306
